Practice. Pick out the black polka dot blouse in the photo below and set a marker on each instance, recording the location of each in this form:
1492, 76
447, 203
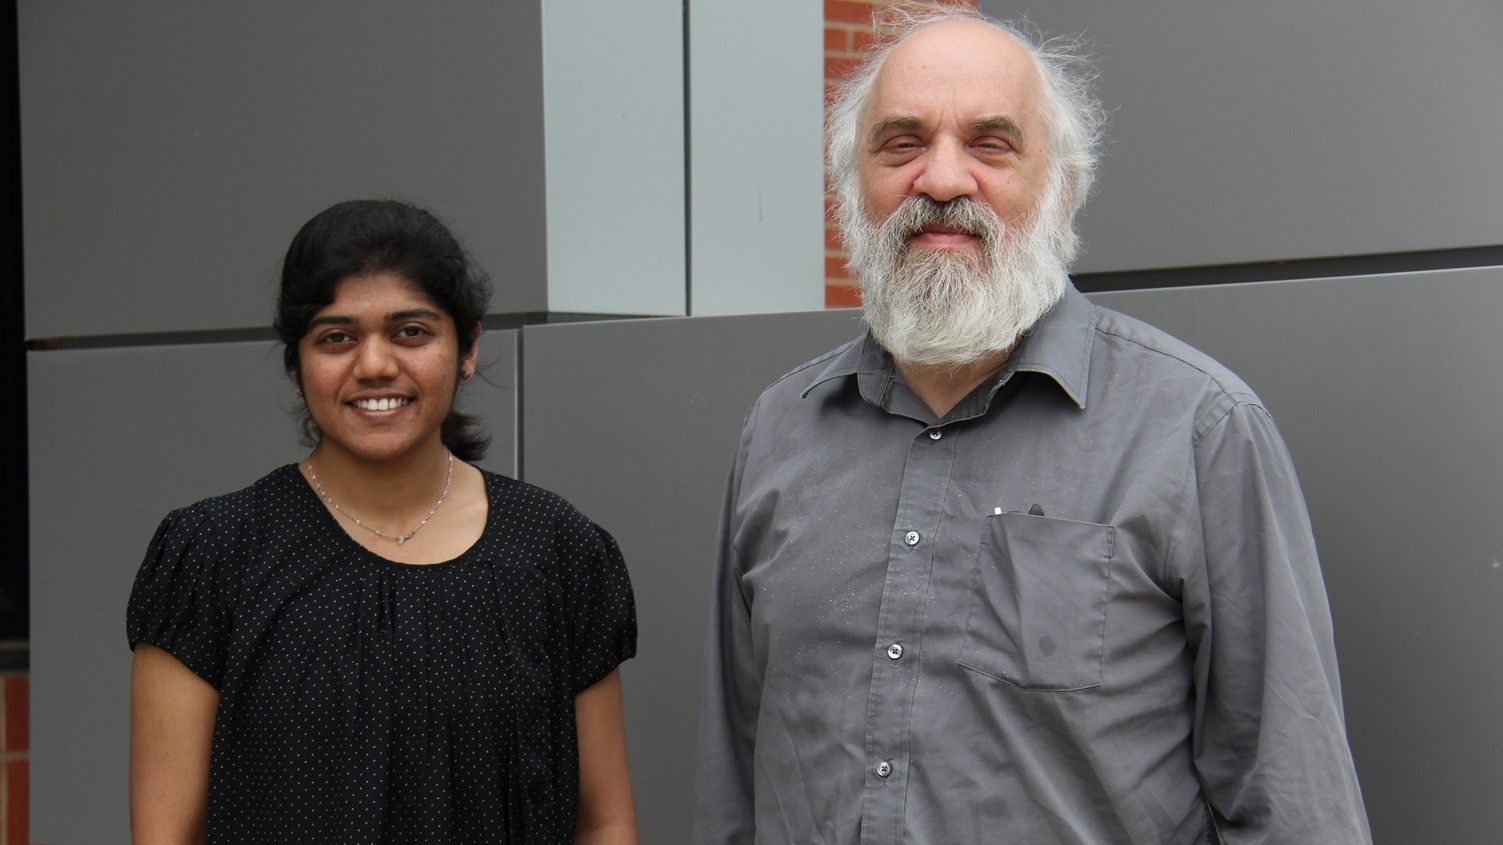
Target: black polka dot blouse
366, 701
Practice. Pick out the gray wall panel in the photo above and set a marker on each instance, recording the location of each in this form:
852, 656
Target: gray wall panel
1391, 423
1389, 393
118, 438
1289, 129
114, 447
173, 147
635, 423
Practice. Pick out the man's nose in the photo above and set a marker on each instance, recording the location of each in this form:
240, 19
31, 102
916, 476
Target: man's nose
946, 173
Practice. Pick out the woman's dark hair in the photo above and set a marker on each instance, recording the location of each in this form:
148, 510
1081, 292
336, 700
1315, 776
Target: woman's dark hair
369, 237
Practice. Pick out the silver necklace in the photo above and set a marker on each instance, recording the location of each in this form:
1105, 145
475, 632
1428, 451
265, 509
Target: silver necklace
376, 531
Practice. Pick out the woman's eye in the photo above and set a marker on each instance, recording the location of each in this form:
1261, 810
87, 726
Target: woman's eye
411, 332
335, 338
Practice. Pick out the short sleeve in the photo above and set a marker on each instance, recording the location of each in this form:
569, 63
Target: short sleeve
602, 611
178, 601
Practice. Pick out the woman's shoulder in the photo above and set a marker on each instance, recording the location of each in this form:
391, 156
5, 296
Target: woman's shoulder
239, 510
534, 507
512, 493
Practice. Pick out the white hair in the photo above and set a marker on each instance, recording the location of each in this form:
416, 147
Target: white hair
952, 309
1072, 116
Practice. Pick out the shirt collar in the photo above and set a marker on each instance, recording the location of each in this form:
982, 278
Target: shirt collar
1058, 346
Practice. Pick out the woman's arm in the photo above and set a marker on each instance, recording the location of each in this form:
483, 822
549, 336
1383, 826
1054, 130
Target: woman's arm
606, 812
171, 727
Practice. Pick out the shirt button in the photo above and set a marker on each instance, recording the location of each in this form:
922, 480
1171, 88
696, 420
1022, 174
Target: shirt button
936, 434
884, 769
894, 651
911, 538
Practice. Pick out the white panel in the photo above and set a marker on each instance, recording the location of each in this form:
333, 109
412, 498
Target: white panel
757, 166
614, 131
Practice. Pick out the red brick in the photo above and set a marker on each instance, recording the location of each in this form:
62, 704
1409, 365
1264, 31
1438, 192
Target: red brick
835, 268
832, 240
842, 296
847, 11
837, 40
862, 39
829, 97
836, 68
17, 728
18, 796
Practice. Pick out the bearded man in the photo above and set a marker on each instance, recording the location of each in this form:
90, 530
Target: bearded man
1010, 567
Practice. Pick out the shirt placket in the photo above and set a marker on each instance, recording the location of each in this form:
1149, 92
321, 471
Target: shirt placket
896, 651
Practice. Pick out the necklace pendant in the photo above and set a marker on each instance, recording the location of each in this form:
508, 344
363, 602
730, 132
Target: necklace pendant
401, 540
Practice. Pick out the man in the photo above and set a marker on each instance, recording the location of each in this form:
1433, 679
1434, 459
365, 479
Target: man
1010, 567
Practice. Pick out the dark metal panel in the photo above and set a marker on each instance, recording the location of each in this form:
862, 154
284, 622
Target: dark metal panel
171, 149
1248, 132
1387, 389
636, 423
1389, 392
118, 438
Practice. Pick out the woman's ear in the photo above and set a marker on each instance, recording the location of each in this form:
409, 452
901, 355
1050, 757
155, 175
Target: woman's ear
467, 364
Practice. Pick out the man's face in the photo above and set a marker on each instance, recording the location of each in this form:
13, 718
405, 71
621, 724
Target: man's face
954, 113
957, 238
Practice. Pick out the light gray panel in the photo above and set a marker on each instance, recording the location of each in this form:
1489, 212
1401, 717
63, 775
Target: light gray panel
756, 108
174, 147
1289, 129
118, 438
615, 135
636, 423
1389, 392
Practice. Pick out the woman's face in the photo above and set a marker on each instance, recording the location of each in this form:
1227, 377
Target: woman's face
378, 367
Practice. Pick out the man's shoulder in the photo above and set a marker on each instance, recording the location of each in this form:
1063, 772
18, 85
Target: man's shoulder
797, 381
1158, 354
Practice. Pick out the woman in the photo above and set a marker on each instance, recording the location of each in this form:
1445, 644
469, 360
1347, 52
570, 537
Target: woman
381, 643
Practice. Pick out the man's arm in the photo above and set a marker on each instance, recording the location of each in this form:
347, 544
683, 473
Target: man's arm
730, 697
607, 815
1269, 739
171, 731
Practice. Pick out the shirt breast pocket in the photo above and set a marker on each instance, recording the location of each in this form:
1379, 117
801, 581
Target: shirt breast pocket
1038, 603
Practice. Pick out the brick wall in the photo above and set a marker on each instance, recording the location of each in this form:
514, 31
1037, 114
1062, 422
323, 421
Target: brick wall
848, 31
15, 745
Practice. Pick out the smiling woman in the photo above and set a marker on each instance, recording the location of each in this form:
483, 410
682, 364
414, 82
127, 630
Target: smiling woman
381, 643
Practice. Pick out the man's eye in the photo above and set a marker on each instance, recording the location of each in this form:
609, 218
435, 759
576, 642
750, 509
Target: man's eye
411, 332
336, 338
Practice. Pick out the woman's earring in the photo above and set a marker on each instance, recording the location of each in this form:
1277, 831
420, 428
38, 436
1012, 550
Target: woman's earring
464, 375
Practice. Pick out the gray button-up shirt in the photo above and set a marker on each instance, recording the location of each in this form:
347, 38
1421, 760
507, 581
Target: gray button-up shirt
1084, 607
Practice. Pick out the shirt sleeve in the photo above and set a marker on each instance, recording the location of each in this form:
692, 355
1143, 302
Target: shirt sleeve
178, 602
603, 612
730, 697
1269, 738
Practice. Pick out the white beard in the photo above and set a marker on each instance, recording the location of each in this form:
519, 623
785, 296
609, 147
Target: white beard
953, 308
